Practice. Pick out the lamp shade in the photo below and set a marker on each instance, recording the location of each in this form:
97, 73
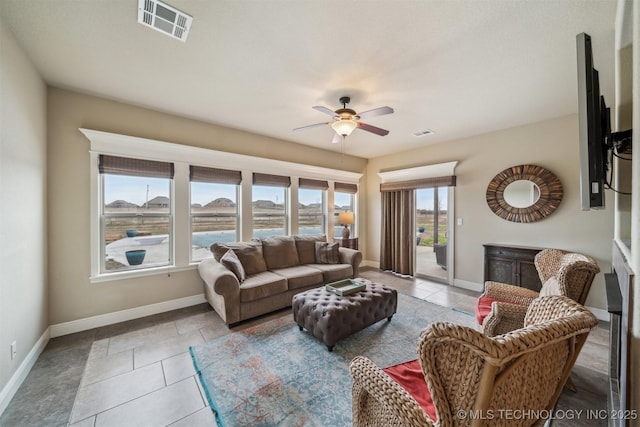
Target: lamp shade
345, 218
344, 127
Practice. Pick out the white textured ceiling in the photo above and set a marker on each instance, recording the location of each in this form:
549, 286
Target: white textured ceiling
459, 68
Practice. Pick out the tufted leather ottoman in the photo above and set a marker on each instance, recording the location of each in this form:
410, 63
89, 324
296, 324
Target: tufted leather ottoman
330, 317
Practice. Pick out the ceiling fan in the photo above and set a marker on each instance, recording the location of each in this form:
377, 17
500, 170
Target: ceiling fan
345, 120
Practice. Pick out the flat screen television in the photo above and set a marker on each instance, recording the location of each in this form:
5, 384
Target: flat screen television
594, 120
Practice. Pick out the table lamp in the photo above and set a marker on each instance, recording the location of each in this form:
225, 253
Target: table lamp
345, 218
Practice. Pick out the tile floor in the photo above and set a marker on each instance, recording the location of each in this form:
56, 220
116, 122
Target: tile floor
139, 373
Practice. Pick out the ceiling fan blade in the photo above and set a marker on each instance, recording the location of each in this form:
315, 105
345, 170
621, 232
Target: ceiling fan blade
380, 111
373, 129
324, 110
312, 126
336, 138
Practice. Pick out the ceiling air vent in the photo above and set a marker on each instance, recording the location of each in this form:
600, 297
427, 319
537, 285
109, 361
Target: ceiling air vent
164, 18
424, 132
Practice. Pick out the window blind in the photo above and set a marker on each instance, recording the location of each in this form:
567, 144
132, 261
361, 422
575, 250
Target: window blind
313, 184
271, 180
214, 175
345, 188
134, 167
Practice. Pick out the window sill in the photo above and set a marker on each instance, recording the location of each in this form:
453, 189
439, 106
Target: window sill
154, 271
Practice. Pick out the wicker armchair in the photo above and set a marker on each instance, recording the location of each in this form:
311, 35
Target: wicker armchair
478, 380
562, 273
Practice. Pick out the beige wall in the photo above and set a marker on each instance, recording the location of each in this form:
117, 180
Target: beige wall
551, 144
72, 296
23, 222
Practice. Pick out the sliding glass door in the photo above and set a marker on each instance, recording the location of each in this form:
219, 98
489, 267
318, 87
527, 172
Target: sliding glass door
432, 233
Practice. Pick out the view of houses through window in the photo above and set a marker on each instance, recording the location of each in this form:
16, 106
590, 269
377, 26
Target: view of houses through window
136, 221
214, 216
269, 211
311, 204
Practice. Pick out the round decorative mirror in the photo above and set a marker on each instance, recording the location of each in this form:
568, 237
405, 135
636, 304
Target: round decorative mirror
521, 193
524, 193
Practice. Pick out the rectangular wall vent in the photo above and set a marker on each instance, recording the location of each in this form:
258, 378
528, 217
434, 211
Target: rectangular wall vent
164, 18
423, 132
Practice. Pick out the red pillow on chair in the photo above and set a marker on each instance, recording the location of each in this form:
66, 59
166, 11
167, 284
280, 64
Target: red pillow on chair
483, 308
409, 375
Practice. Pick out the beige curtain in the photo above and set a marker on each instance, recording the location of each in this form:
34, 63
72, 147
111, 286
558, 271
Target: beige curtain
398, 231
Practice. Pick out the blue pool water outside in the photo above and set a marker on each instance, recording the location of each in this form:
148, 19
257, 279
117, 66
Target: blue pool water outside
207, 238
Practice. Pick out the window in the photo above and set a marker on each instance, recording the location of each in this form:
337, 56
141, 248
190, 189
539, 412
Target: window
171, 203
269, 204
311, 206
431, 215
136, 218
214, 208
344, 201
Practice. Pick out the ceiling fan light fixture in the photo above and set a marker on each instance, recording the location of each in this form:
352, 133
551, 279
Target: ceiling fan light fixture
344, 127
346, 120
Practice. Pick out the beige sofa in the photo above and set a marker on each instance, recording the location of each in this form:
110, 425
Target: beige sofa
247, 279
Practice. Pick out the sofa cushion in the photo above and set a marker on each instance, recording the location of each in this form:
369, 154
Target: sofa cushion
306, 246
249, 254
301, 276
280, 252
334, 272
484, 305
410, 376
327, 253
483, 308
232, 262
262, 285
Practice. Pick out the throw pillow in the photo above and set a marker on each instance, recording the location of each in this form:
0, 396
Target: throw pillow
306, 247
249, 254
232, 262
551, 288
327, 253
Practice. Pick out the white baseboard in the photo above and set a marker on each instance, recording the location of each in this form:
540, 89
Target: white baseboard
23, 370
123, 315
472, 286
367, 263
599, 313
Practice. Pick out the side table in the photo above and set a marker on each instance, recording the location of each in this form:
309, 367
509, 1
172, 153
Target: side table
351, 243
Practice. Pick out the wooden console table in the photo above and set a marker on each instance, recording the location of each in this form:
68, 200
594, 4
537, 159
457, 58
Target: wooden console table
511, 264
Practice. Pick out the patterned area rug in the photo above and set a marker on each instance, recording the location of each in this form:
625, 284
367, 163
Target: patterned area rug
273, 374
